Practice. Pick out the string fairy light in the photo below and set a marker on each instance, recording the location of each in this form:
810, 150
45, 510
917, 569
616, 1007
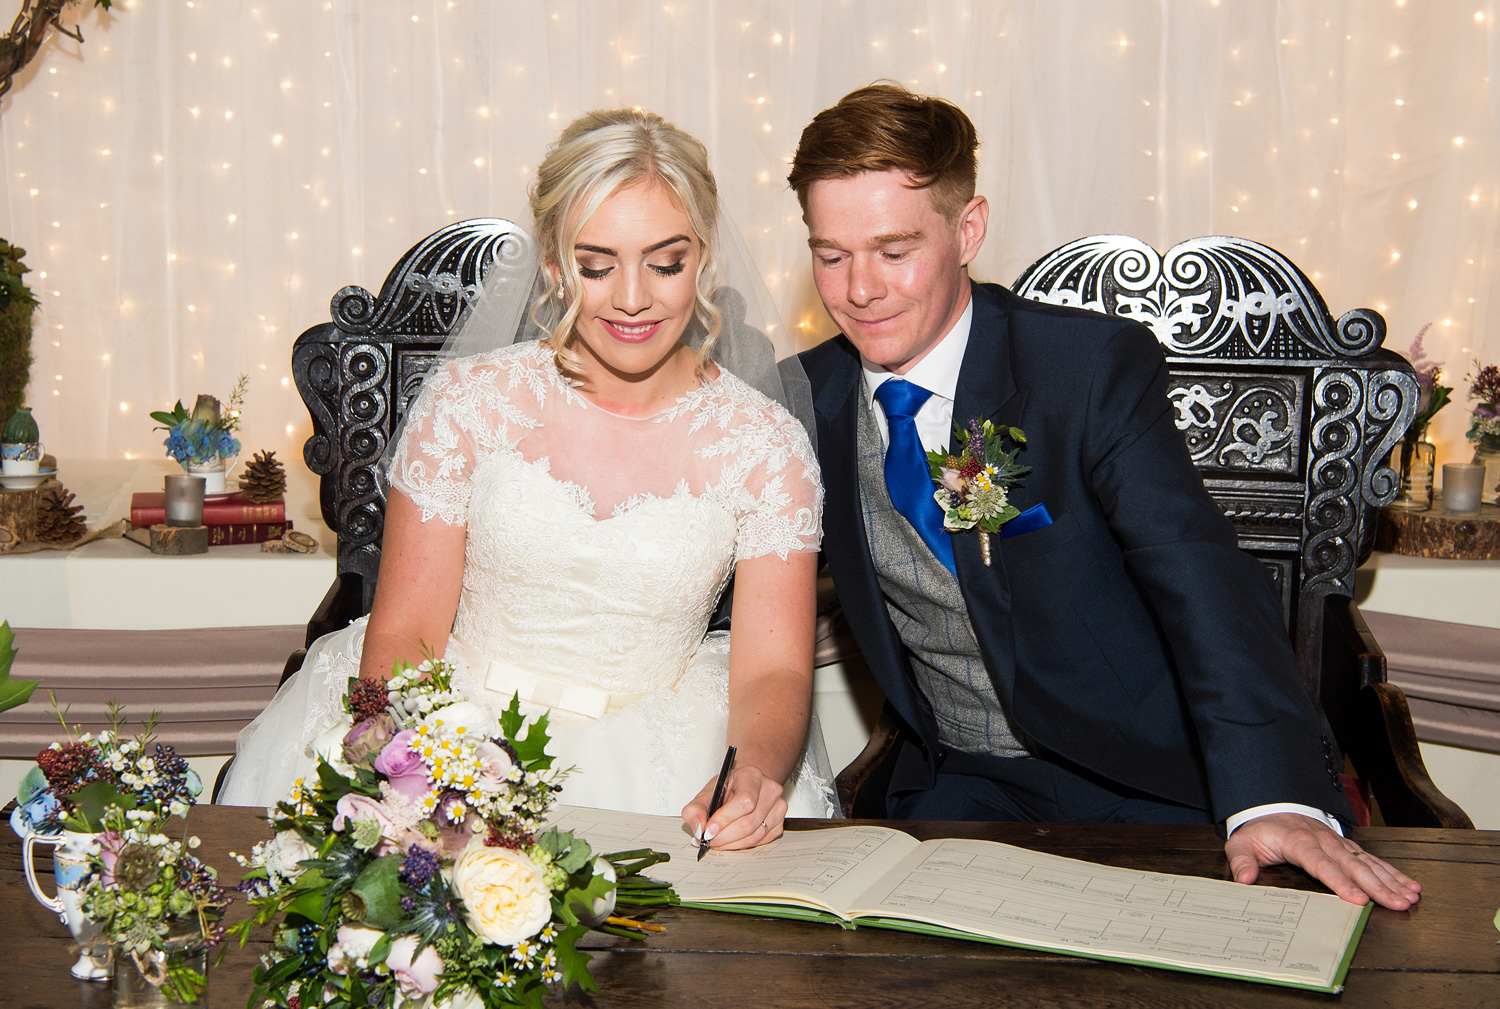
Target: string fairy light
205, 155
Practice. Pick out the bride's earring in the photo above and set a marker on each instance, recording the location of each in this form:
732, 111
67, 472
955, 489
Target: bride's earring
560, 292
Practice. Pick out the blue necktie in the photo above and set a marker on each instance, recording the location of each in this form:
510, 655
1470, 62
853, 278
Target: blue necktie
906, 473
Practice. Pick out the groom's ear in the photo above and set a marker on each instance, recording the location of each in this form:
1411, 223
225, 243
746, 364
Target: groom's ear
973, 223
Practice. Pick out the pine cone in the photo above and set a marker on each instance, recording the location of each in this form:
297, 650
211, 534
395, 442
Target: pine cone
58, 519
264, 479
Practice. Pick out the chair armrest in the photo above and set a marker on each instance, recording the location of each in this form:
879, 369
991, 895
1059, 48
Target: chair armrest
1417, 802
341, 605
1373, 725
861, 785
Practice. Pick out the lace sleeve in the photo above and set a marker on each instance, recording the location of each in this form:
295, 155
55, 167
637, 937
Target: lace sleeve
458, 418
782, 494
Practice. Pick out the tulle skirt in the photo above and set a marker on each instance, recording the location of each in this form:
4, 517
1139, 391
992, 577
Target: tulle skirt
652, 755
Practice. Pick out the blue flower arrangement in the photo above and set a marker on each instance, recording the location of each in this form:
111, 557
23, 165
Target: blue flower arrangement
208, 432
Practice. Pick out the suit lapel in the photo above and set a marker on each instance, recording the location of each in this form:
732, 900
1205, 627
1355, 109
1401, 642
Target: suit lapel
987, 389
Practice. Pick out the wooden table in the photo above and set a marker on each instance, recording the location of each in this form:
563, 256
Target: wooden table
1442, 954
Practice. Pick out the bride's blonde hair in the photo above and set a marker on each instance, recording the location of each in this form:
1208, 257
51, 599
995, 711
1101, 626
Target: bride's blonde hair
599, 154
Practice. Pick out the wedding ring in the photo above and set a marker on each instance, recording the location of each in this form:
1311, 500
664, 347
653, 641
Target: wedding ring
1356, 854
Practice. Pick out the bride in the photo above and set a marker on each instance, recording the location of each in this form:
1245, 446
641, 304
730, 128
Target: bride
565, 512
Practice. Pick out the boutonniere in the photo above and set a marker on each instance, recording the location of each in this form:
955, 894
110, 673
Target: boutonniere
974, 476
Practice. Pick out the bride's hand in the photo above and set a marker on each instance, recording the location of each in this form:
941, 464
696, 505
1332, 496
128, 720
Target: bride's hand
752, 812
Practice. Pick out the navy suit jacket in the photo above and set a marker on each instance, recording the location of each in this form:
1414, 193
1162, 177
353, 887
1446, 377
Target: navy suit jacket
1131, 637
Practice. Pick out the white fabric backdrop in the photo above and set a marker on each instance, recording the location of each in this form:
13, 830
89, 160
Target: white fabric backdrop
195, 182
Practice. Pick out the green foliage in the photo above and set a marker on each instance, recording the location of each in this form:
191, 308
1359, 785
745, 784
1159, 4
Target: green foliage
12, 692
531, 750
90, 803
16, 305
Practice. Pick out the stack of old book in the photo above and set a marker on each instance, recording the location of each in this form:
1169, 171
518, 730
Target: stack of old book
229, 517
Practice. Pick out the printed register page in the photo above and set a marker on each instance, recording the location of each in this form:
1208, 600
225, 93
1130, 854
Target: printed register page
869, 875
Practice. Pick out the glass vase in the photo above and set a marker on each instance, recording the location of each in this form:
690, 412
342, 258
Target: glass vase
1413, 461
161, 978
1490, 458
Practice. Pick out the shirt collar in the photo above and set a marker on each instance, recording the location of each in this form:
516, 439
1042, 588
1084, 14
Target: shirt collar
938, 371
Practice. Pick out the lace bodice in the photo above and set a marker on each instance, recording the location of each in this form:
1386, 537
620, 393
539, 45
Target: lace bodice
597, 544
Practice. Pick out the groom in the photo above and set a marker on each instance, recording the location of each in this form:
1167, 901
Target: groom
1121, 660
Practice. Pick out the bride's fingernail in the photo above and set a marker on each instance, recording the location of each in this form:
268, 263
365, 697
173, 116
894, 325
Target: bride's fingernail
698, 834
712, 833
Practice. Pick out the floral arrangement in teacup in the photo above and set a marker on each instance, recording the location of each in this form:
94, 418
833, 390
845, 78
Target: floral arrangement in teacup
75, 782
207, 434
146, 893
1484, 390
418, 868
1432, 395
974, 476
151, 896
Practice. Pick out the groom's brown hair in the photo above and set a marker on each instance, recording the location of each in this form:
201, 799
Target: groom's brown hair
885, 127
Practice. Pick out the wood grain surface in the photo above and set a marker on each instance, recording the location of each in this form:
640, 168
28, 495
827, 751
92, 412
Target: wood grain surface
1441, 954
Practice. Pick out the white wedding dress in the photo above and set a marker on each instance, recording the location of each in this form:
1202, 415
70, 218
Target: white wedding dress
597, 548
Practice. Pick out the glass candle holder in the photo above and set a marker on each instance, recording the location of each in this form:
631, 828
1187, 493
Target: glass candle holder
1463, 483
185, 500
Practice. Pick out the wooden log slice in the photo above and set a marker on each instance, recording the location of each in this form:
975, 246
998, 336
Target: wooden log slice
1474, 537
178, 540
18, 509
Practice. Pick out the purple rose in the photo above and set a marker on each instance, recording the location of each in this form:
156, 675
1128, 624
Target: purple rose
363, 743
401, 764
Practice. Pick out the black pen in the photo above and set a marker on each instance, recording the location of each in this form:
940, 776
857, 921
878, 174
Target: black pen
716, 801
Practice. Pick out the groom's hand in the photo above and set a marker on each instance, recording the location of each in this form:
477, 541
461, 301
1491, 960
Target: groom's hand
1337, 862
752, 812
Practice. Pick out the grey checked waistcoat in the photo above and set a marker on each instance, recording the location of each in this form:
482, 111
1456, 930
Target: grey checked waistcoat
927, 608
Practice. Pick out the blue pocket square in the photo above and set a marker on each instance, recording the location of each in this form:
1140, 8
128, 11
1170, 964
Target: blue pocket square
1029, 521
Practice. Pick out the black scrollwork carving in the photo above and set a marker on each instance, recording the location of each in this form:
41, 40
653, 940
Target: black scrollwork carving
358, 373
1328, 552
1221, 297
1249, 423
1393, 403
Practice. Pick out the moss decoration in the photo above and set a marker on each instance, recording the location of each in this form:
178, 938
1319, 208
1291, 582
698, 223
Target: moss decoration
16, 305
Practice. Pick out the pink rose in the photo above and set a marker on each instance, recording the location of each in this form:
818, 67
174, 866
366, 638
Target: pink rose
415, 977
398, 762
953, 480
497, 764
361, 807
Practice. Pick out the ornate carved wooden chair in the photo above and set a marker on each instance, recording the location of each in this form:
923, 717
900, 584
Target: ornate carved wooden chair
1291, 416
358, 373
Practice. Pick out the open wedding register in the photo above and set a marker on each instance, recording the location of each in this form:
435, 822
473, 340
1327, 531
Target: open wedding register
999, 893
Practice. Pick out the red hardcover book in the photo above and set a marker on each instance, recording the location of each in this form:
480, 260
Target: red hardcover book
246, 532
149, 508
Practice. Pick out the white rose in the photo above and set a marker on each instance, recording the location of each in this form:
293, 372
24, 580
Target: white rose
351, 950
330, 746
602, 907
504, 893
285, 851
465, 718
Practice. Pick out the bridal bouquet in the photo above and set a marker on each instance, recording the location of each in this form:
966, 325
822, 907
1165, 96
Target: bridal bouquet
417, 868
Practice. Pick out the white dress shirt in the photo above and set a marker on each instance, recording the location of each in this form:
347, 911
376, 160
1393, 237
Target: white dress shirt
938, 373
